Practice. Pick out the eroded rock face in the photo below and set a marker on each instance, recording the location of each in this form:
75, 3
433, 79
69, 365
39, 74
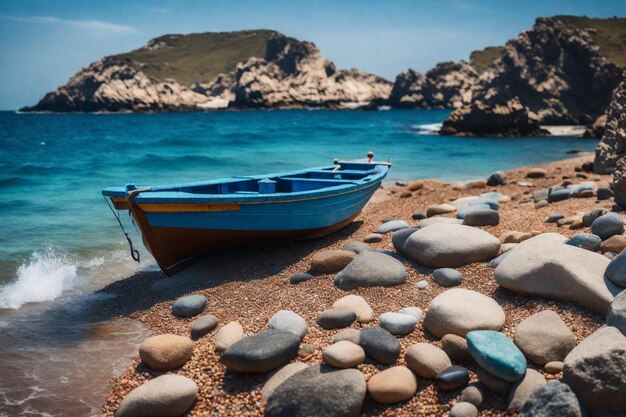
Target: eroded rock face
552, 72
295, 74
447, 85
613, 144
113, 85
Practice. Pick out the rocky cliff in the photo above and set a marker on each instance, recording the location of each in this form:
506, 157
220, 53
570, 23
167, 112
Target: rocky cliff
555, 71
611, 151
179, 73
447, 85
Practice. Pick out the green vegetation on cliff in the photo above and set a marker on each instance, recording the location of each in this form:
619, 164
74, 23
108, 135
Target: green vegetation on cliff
198, 57
608, 34
482, 59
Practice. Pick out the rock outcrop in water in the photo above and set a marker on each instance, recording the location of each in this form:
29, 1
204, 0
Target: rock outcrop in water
556, 73
290, 74
447, 85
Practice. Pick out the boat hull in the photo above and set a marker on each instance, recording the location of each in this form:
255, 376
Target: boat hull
178, 235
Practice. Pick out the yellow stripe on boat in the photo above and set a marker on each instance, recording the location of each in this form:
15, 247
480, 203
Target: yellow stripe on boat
187, 208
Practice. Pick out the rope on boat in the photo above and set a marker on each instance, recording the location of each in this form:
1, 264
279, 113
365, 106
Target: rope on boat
134, 253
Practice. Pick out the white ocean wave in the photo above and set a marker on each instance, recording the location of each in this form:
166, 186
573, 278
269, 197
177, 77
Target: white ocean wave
42, 278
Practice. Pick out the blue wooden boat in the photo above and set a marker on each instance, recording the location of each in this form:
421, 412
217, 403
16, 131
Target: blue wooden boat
181, 223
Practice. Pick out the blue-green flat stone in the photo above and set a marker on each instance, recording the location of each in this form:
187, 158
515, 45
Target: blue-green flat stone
496, 354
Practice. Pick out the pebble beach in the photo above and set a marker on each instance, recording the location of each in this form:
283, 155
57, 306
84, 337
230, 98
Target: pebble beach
250, 285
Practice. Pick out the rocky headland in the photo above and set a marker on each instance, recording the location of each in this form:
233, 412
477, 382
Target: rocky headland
172, 73
552, 74
492, 297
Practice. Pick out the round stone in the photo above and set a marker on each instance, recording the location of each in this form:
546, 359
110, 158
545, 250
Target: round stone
555, 218
298, 278
166, 351
616, 315
351, 335
356, 303
426, 360
418, 215
373, 238
356, 246
451, 378
371, 269
495, 384
203, 325
615, 244
392, 385
331, 261
497, 178
281, 376
412, 311
319, 391
604, 193
289, 321
437, 209
392, 226
474, 393
422, 285
608, 225
521, 390
544, 337
456, 347
447, 277
261, 352
616, 270
336, 318
463, 409
459, 311
379, 345
554, 367
450, 245
496, 354
228, 335
166, 395
343, 354
587, 241
482, 217
188, 306
397, 323
398, 239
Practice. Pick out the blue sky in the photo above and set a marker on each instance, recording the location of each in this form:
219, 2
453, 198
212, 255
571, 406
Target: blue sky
42, 43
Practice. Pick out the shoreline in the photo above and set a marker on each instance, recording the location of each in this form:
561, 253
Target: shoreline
232, 282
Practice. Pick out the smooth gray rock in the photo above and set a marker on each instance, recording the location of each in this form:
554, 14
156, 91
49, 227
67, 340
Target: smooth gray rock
451, 378
497, 261
261, 352
596, 370
616, 270
392, 226
439, 220
544, 337
397, 323
522, 389
447, 277
474, 393
412, 311
418, 215
484, 201
356, 246
399, 238
552, 399
540, 195
483, 217
189, 306
319, 391
371, 269
459, 311
608, 225
616, 316
203, 325
555, 218
336, 318
559, 195
164, 396
587, 241
298, 278
591, 216
463, 409
379, 345
289, 321
544, 266
450, 245
470, 208
604, 193
280, 376
497, 178
373, 238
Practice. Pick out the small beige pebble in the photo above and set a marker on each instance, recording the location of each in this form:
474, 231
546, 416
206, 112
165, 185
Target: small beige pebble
463, 409
553, 367
422, 285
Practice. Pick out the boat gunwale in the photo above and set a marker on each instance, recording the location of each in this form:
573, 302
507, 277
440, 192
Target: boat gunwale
161, 195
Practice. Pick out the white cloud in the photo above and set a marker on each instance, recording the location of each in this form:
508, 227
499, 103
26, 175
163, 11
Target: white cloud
88, 24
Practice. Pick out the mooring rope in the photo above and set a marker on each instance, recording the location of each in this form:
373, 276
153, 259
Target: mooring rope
134, 253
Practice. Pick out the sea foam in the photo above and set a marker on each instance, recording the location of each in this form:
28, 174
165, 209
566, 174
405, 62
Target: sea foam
43, 278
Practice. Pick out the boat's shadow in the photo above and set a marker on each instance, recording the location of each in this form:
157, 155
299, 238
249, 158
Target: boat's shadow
145, 289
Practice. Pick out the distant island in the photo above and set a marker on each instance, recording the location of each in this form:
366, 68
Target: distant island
563, 71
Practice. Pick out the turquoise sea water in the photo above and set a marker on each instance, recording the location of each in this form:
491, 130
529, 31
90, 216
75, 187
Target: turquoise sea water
59, 241
58, 230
